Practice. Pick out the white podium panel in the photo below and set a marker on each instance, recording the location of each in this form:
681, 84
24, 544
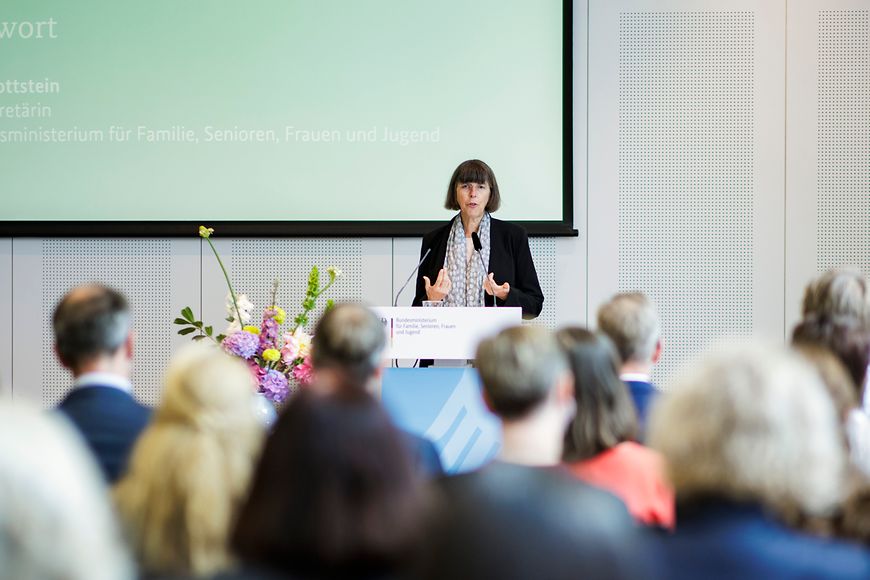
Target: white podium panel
442, 333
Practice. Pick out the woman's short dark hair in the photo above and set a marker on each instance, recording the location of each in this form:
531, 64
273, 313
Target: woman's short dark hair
605, 412
473, 171
334, 493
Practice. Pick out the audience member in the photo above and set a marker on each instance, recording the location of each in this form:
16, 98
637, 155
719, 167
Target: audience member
334, 495
94, 340
749, 434
522, 516
849, 341
599, 443
348, 350
838, 292
191, 467
631, 322
55, 519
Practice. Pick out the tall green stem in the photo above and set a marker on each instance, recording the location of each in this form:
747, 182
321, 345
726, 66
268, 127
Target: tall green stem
229, 284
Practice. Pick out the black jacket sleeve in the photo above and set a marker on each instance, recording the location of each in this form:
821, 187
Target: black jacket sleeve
525, 289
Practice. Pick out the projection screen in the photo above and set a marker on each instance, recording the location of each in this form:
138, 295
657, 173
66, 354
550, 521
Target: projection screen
279, 117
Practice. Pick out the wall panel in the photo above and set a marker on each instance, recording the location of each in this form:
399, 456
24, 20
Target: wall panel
686, 175
828, 171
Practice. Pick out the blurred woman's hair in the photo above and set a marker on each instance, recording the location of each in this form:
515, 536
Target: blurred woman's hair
191, 467
56, 521
846, 337
752, 423
334, 493
605, 412
834, 376
838, 292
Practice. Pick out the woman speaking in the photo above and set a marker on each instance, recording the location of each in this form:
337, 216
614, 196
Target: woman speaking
475, 259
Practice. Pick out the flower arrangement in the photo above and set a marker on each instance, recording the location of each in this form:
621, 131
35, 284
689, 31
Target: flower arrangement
275, 358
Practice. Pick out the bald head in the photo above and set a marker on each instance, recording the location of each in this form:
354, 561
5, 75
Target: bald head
349, 339
91, 321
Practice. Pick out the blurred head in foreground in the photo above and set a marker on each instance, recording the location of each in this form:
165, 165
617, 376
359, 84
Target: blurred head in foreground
56, 522
192, 465
334, 493
348, 348
527, 383
838, 292
752, 423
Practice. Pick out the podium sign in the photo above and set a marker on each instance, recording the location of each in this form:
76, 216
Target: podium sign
442, 332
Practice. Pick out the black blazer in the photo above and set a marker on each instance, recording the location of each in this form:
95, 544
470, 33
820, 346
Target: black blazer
110, 421
509, 259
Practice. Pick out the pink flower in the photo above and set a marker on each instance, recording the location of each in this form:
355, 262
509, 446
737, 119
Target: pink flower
296, 345
304, 373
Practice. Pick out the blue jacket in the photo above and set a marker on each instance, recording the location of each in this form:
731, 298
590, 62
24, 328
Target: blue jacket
721, 539
110, 421
643, 394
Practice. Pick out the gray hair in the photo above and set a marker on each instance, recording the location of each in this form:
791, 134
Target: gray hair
519, 367
752, 422
56, 522
351, 339
838, 292
631, 322
90, 321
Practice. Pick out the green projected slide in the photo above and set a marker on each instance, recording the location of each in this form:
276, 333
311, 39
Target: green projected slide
273, 110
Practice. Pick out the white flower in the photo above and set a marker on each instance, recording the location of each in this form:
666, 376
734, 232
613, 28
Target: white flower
246, 308
334, 271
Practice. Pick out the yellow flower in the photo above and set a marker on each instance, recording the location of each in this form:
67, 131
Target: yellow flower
280, 315
251, 329
205, 232
271, 354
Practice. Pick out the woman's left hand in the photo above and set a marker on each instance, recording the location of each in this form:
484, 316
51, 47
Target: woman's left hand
492, 288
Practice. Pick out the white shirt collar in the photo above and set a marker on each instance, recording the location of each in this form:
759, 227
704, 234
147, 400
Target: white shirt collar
104, 380
634, 377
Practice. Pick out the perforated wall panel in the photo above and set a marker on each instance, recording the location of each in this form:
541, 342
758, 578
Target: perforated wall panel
141, 269
843, 147
544, 256
257, 263
686, 172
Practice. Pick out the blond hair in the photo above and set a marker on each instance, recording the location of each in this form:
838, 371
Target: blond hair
752, 422
191, 467
631, 322
56, 522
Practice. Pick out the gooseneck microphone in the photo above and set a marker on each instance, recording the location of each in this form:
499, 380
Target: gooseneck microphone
411, 275
475, 239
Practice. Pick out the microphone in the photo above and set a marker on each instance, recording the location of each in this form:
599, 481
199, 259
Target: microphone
411, 275
475, 239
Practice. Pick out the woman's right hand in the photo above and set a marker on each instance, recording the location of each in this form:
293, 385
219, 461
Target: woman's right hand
440, 288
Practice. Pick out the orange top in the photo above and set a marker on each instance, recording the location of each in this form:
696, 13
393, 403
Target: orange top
634, 474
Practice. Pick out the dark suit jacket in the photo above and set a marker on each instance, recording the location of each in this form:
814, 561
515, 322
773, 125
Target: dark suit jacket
721, 539
517, 522
509, 259
643, 394
110, 421
424, 454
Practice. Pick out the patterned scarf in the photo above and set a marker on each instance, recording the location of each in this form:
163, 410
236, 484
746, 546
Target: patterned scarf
466, 276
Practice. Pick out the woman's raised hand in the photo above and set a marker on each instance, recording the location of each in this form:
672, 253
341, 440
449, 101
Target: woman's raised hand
440, 288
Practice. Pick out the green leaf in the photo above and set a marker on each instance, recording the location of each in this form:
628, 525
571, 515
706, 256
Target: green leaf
229, 318
187, 313
208, 330
199, 337
198, 324
180, 321
330, 304
220, 337
187, 330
